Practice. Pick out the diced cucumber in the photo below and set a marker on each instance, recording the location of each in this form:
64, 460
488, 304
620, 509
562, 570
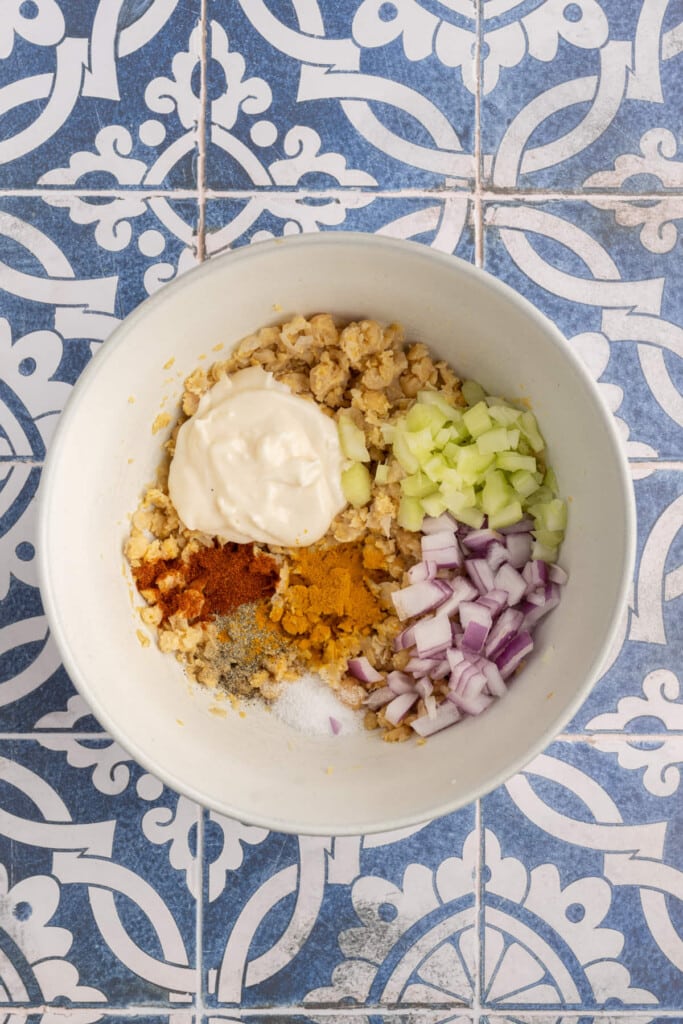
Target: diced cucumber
472, 464
473, 517
435, 467
512, 461
417, 485
403, 454
352, 440
504, 415
472, 392
425, 417
497, 493
436, 400
410, 514
551, 515
550, 481
512, 513
443, 437
457, 499
524, 482
542, 551
382, 474
420, 443
496, 440
477, 419
529, 427
550, 538
356, 484
433, 504
513, 439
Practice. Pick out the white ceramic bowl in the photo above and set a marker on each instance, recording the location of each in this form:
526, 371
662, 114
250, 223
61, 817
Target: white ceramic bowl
256, 768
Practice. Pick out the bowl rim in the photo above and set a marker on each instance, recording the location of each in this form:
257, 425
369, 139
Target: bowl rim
50, 472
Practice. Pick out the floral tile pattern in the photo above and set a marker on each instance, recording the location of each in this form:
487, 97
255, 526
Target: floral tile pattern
539, 139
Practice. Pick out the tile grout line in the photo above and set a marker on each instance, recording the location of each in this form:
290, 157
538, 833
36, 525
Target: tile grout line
477, 203
437, 194
202, 128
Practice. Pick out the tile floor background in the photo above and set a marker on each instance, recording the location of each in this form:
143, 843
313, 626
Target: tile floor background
540, 139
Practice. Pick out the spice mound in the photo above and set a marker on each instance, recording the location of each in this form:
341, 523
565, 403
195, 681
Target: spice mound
338, 523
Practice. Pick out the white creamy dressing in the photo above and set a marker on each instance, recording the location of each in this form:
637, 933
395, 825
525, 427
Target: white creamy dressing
257, 463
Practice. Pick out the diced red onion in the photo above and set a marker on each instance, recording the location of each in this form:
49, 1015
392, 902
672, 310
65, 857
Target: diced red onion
404, 640
512, 582
400, 682
435, 524
533, 612
461, 590
418, 598
421, 666
497, 555
519, 549
378, 698
496, 601
471, 705
523, 526
432, 635
442, 548
335, 726
479, 541
494, 680
363, 670
535, 573
474, 685
430, 705
399, 707
424, 688
480, 573
517, 649
557, 574
535, 597
477, 621
503, 631
454, 658
441, 671
446, 715
422, 571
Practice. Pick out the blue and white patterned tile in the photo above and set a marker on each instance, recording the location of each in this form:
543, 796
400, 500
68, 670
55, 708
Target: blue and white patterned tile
70, 269
98, 872
33, 683
99, 94
59, 1015
386, 920
639, 689
584, 876
615, 296
582, 95
362, 94
445, 224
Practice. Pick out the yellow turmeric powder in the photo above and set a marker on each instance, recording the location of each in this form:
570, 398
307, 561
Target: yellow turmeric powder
328, 604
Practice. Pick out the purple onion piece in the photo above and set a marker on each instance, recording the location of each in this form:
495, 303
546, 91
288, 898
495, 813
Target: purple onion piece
378, 698
432, 635
363, 670
399, 707
400, 682
335, 725
435, 524
518, 648
445, 715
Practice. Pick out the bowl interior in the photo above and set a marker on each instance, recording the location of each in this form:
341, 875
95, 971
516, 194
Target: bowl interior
255, 768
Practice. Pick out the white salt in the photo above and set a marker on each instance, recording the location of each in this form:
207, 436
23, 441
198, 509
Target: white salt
308, 704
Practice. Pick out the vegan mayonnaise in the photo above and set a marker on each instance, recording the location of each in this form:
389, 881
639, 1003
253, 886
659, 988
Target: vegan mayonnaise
257, 463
